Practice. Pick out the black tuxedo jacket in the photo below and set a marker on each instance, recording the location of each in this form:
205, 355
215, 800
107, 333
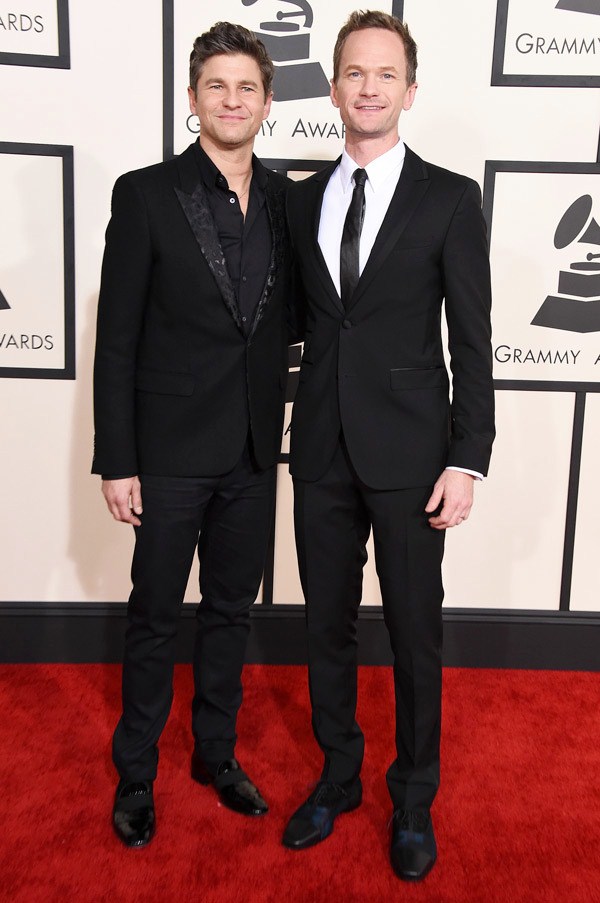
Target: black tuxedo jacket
177, 385
376, 371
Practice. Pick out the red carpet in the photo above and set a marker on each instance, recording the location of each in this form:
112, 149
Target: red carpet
517, 817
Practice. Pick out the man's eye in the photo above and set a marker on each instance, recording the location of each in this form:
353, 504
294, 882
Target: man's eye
247, 88
215, 87
388, 76
354, 75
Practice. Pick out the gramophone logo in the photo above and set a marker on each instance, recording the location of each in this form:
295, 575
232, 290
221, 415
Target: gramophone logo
4, 305
288, 44
580, 6
576, 305
299, 35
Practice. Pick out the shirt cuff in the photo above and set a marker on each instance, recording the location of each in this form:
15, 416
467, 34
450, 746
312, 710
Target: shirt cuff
121, 476
472, 473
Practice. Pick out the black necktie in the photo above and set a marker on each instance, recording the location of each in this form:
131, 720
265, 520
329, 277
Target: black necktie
349, 249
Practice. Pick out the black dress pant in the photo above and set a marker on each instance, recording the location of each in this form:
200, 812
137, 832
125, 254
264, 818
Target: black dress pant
227, 519
333, 519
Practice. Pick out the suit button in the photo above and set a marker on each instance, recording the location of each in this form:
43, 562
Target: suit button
347, 324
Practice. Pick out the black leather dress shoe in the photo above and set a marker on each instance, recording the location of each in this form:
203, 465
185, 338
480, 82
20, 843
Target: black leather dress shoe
133, 813
412, 850
235, 789
313, 821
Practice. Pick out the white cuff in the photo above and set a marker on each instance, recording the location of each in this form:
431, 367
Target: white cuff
472, 473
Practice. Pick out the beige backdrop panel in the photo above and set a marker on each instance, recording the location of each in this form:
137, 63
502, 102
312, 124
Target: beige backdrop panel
509, 553
58, 542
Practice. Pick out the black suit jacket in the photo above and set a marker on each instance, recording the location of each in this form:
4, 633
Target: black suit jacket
376, 371
177, 385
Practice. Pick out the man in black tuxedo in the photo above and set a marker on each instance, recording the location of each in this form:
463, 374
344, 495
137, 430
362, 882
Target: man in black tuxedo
384, 238
190, 370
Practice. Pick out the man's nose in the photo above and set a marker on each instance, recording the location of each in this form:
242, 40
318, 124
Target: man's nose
230, 99
370, 86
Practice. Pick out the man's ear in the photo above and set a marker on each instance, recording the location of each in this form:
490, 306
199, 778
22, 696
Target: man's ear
267, 108
333, 94
409, 97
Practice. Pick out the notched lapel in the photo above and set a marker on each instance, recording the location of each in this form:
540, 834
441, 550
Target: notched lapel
195, 206
313, 217
412, 186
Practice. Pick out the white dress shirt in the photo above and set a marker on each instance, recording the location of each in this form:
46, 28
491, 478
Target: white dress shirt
382, 178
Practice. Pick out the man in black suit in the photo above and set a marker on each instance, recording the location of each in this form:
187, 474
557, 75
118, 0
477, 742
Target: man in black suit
384, 238
190, 369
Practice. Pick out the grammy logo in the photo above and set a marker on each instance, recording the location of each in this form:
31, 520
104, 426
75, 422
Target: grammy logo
287, 43
4, 305
576, 306
580, 6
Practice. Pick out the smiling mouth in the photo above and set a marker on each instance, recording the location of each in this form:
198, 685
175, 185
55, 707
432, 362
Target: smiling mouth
369, 107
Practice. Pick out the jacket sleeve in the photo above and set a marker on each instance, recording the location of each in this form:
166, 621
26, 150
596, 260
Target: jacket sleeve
126, 271
467, 289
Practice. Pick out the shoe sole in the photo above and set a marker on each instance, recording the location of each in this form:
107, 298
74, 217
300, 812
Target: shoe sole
137, 845
205, 780
313, 843
415, 878
253, 814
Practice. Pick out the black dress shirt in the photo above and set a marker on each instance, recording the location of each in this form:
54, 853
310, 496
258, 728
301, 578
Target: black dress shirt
246, 242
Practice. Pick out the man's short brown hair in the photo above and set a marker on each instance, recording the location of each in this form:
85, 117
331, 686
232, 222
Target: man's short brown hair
360, 20
225, 38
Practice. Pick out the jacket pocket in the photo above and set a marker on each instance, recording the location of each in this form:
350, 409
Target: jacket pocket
164, 383
418, 378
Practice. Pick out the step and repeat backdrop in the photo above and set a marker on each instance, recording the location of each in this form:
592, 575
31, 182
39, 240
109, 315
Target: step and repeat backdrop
508, 94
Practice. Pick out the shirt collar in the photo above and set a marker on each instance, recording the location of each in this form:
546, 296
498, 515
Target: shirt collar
378, 170
211, 176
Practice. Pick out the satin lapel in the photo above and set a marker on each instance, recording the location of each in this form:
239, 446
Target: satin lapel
318, 186
275, 201
411, 188
194, 203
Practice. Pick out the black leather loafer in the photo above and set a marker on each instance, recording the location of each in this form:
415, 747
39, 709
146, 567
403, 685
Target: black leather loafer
133, 813
413, 849
235, 789
313, 821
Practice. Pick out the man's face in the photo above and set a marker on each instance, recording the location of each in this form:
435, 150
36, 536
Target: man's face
229, 101
371, 89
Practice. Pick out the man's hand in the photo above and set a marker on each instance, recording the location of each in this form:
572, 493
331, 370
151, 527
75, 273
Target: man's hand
124, 499
455, 489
